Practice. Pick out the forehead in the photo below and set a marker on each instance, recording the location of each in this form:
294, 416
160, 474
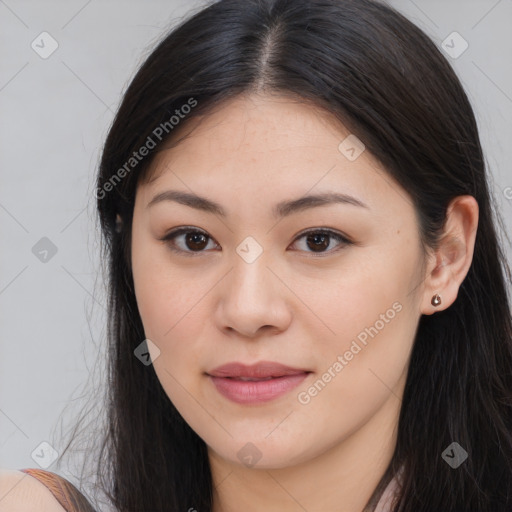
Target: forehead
257, 128
279, 121
261, 147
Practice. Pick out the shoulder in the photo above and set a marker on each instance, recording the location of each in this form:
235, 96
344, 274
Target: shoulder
21, 492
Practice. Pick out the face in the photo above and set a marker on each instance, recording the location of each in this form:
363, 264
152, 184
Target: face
332, 290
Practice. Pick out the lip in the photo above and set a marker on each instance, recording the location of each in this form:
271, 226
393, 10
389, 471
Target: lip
280, 380
259, 370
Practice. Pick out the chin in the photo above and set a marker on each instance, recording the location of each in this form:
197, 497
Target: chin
264, 454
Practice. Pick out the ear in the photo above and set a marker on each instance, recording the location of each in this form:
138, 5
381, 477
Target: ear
449, 264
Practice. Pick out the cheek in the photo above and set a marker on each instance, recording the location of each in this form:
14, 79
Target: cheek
172, 314
367, 289
372, 319
169, 303
363, 363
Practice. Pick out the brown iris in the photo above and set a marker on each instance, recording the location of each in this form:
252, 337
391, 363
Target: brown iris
196, 241
321, 241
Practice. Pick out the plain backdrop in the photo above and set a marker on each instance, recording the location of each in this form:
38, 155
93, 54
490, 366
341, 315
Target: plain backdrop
55, 112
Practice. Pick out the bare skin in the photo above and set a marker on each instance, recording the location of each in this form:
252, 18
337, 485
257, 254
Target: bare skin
292, 304
20, 492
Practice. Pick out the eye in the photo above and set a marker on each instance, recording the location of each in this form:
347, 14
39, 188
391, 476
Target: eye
195, 240
319, 240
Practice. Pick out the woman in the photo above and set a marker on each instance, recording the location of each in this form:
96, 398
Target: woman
308, 305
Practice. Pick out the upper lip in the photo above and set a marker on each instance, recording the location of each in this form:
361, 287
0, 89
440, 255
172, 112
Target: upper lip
261, 369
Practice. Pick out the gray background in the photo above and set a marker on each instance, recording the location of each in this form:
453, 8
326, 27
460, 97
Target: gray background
55, 113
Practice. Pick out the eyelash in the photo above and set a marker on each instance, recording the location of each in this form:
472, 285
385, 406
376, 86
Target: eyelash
169, 237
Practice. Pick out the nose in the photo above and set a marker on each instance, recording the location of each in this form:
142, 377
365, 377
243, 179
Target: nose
252, 300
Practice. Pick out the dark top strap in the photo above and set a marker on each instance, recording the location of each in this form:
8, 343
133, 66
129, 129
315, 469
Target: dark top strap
64, 491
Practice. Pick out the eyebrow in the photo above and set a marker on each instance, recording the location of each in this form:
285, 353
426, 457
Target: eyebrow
282, 209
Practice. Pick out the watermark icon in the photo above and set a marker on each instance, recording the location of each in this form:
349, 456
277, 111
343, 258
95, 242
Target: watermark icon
44, 250
249, 250
454, 455
147, 352
44, 455
351, 147
507, 192
304, 397
455, 45
158, 133
249, 455
44, 45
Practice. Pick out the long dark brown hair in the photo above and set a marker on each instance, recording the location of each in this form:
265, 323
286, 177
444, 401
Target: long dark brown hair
387, 82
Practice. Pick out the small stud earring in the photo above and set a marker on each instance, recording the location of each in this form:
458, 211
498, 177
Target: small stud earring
436, 300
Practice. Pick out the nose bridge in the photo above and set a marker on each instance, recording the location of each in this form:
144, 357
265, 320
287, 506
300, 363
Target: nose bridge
250, 298
250, 274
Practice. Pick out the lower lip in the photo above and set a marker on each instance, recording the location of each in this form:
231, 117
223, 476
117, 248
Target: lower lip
250, 392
